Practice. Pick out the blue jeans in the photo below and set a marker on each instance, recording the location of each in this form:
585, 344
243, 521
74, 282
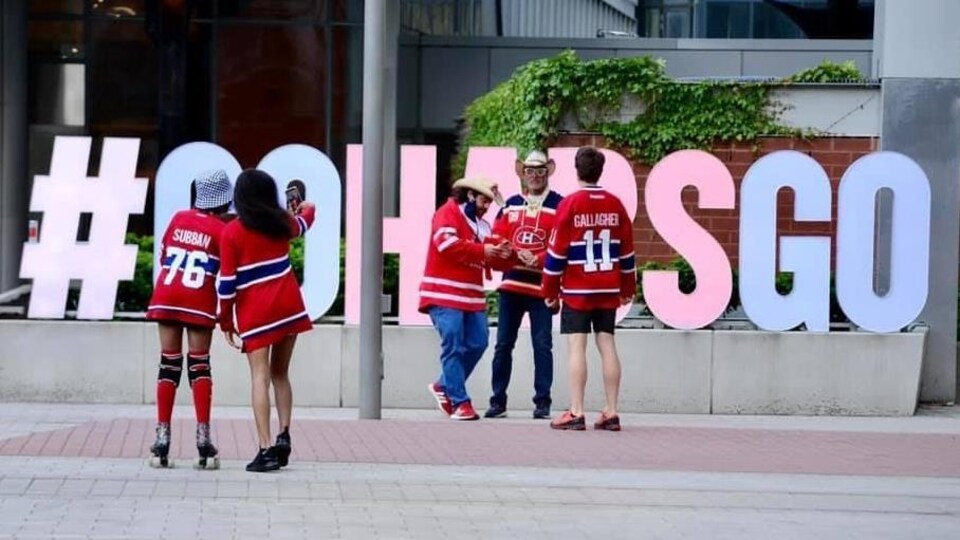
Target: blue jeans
463, 338
512, 308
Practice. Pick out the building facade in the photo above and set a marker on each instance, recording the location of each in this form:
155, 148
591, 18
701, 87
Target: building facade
251, 75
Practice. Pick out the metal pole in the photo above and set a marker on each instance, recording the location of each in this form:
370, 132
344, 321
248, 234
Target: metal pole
391, 181
14, 176
371, 257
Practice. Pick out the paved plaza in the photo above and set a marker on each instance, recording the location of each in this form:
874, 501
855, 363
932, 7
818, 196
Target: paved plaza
79, 471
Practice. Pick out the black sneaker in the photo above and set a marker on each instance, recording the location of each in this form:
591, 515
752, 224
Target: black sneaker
496, 410
283, 447
265, 461
541, 410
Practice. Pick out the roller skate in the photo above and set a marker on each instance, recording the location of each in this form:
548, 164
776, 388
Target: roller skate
160, 449
208, 452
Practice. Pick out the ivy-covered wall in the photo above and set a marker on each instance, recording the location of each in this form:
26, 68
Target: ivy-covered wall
532, 107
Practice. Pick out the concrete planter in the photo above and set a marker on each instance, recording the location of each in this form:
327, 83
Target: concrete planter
728, 372
840, 373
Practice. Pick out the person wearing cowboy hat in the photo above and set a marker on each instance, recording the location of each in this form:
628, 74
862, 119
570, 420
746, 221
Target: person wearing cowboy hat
451, 290
185, 299
526, 220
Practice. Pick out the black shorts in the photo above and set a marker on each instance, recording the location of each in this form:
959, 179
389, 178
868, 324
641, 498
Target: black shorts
574, 321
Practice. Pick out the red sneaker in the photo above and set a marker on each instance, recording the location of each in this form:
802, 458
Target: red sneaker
607, 423
464, 411
568, 421
442, 402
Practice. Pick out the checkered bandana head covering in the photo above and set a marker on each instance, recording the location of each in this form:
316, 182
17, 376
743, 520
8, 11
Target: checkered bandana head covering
213, 189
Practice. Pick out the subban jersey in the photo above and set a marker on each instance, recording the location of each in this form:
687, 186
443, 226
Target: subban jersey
590, 259
185, 290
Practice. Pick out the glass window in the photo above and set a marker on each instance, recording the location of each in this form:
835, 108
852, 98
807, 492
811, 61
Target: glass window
61, 40
58, 93
271, 82
652, 23
728, 20
55, 7
771, 23
348, 10
117, 8
123, 81
677, 23
346, 91
273, 10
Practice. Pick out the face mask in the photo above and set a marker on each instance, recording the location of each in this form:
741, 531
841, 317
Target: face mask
470, 209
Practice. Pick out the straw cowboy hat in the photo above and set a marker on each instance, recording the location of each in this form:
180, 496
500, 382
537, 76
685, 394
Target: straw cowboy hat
535, 159
481, 185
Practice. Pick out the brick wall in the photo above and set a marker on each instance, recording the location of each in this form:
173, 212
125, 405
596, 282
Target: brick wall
835, 154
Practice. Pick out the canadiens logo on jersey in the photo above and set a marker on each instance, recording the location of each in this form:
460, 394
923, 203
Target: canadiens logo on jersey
528, 237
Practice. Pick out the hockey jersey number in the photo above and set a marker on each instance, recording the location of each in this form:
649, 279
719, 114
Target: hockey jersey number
605, 263
192, 263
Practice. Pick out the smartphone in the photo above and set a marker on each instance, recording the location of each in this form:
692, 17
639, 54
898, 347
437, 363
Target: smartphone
294, 197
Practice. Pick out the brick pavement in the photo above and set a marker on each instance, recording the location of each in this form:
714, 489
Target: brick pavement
77, 471
496, 443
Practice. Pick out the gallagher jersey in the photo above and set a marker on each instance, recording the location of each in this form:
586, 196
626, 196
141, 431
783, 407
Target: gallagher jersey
590, 259
527, 226
189, 259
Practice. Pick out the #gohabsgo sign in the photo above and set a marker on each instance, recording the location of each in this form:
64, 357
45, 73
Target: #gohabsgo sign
807, 257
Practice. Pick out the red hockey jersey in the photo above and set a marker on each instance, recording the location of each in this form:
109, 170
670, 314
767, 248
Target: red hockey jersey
453, 275
189, 260
259, 295
590, 259
528, 227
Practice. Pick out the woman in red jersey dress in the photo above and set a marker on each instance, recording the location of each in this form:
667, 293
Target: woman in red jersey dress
185, 298
260, 302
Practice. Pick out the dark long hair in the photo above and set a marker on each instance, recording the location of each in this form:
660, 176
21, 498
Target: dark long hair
255, 197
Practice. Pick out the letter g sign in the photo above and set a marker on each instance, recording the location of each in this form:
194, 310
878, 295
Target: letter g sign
321, 259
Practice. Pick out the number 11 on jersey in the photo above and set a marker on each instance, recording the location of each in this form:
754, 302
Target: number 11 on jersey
605, 264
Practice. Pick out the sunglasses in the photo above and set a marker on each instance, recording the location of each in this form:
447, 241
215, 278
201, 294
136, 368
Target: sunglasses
536, 171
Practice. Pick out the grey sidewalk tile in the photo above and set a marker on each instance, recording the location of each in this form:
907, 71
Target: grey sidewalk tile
139, 488
294, 490
44, 486
233, 489
14, 486
76, 487
107, 488
200, 489
170, 489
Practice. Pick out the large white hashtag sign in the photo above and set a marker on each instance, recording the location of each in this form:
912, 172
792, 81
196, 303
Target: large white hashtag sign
104, 259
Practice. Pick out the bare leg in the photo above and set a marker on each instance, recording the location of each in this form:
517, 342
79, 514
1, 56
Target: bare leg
171, 336
199, 339
279, 367
260, 393
577, 369
611, 371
